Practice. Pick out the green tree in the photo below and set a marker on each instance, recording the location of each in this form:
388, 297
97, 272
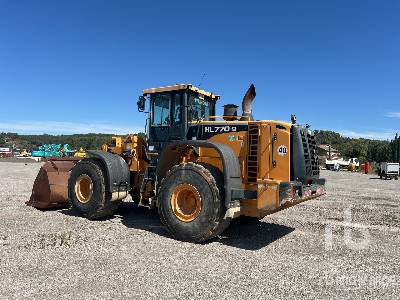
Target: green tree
395, 148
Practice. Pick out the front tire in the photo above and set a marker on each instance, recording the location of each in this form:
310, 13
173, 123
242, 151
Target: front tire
191, 202
87, 191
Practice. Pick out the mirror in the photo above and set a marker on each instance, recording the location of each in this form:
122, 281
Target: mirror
141, 104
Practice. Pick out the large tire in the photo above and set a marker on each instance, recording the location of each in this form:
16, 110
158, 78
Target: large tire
93, 202
207, 183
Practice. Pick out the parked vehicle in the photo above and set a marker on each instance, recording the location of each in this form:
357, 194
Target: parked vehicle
53, 150
6, 152
389, 170
342, 163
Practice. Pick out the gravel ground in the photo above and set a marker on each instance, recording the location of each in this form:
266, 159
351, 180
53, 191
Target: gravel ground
342, 245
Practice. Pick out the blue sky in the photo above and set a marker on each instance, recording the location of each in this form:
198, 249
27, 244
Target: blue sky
79, 66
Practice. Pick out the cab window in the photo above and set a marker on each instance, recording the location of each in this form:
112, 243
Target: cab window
177, 110
161, 110
199, 108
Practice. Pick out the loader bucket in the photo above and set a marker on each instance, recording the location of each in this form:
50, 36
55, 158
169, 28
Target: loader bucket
50, 189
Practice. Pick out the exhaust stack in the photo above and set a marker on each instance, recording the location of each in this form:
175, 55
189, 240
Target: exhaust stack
247, 103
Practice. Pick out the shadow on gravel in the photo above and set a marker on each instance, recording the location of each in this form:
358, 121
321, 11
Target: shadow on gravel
142, 218
247, 236
132, 216
252, 236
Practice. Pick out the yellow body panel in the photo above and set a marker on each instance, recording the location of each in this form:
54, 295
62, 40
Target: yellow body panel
132, 147
117, 141
275, 164
273, 154
136, 145
81, 153
271, 151
235, 140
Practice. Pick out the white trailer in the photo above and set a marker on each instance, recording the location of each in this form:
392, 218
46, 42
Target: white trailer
341, 163
389, 170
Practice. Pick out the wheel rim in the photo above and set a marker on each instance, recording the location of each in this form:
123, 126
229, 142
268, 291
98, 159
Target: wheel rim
83, 188
186, 202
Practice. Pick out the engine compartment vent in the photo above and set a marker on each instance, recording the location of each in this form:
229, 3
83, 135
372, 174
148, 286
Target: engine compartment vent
310, 154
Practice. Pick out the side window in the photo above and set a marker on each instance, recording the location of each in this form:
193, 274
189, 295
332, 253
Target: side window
177, 110
161, 110
199, 108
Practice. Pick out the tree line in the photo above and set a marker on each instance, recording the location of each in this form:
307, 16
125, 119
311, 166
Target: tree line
88, 141
364, 149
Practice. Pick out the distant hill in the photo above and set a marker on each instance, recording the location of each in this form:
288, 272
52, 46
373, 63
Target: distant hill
365, 149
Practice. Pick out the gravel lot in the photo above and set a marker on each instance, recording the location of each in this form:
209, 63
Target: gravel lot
342, 245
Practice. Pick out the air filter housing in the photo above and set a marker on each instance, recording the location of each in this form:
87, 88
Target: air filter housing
230, 112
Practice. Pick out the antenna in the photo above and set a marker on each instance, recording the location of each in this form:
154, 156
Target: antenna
201, 79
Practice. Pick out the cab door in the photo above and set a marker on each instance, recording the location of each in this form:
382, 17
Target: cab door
176, 131
160, 120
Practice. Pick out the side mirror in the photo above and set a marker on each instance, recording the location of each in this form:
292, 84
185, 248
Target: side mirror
141, 104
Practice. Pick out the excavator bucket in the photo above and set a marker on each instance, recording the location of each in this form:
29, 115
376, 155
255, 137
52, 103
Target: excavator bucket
50, 189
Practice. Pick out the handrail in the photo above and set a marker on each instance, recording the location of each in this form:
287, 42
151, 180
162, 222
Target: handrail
274, 139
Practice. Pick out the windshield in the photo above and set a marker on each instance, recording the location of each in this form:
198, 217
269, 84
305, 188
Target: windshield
199, 108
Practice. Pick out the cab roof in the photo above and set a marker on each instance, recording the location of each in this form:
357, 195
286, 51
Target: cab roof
183, 86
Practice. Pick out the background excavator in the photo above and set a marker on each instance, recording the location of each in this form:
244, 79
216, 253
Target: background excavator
197, 169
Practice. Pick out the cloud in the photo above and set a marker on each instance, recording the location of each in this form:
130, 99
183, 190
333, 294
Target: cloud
373, 135
393, 115
54, 127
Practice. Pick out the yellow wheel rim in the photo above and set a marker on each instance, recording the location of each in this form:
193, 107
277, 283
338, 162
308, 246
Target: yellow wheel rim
186, 202
84, 188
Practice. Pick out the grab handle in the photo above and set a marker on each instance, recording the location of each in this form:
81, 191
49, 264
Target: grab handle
274, 138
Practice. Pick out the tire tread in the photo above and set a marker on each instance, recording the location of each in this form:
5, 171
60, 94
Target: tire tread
213, 176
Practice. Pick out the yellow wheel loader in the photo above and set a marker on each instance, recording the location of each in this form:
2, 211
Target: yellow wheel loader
199, 170
80, 153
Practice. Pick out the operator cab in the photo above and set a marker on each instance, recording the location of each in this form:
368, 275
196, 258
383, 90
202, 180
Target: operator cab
172, 109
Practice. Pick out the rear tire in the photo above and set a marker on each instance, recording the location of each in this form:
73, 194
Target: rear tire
87, 191
204, 219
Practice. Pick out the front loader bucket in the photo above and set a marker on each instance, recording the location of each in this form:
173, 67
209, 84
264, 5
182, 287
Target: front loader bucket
50, 189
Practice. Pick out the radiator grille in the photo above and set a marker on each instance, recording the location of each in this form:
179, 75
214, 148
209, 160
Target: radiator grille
252, 158
310, 153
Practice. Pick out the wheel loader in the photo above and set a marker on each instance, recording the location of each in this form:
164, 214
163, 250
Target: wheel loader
199, 170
